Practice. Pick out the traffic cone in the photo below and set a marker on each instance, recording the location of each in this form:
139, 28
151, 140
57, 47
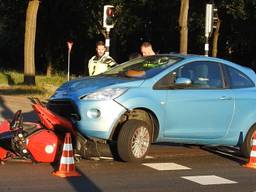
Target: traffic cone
252, 160
67, 162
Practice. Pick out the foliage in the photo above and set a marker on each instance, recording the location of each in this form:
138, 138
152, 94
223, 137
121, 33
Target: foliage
12, 22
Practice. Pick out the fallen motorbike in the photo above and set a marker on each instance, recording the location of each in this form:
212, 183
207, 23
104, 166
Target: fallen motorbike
43, 141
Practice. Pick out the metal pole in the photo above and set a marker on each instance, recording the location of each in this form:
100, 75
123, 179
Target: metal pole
206, 46
70, 44
107, 41
208, 27
68, 63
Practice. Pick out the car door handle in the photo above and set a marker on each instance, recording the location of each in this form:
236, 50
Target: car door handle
225, 98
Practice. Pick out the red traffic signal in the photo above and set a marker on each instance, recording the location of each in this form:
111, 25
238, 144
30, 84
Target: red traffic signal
110, 11
108, 16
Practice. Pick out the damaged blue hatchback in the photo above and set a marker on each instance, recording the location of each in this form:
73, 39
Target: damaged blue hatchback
163, 98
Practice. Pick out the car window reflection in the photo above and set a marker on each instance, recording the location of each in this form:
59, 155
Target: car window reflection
144, 67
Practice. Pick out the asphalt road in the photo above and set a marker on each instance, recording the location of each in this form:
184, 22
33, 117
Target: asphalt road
168, 167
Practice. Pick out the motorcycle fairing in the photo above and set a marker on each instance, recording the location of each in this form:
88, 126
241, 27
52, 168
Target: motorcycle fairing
51, 120
28, 141
5, 134
4, 126
43, 145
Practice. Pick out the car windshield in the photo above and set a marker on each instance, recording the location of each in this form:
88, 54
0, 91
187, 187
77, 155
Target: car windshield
143, 67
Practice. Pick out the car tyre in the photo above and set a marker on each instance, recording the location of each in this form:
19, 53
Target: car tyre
247, 144
134, 140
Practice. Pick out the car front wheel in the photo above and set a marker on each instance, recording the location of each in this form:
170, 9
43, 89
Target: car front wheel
134, 140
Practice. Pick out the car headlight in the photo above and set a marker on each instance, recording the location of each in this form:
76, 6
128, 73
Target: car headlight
105, 94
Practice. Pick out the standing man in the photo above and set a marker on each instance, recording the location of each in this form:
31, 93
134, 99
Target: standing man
146, 49
100, 62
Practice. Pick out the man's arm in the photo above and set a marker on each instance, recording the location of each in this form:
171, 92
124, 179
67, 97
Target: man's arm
110, 62
91, 66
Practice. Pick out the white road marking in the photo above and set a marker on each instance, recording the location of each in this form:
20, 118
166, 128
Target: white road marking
209, 180
166, 166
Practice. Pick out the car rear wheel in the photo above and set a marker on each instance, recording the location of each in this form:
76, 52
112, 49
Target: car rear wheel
134, 140
247, 144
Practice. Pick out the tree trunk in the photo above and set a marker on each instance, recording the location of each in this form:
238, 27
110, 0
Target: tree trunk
29, 45
215, 39
183, 24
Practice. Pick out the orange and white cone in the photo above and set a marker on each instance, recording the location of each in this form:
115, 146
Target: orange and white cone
252, 160
67, 162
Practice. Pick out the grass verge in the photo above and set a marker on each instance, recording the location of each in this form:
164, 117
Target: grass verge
11, 83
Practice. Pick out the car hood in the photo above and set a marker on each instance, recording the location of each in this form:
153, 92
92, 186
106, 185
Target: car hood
88, 85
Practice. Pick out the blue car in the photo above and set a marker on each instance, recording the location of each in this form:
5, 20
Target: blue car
163, 98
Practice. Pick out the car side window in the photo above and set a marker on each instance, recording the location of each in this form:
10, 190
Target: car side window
238, 79
203, 74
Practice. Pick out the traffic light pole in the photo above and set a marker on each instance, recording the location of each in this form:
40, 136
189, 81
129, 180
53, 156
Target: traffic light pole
206, 46
70, 44
208, 27
107, 41
210, 20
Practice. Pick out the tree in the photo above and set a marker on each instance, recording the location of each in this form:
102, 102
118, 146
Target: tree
29, 45
137, 21
12, 25
183, 20
215, 39
232, 39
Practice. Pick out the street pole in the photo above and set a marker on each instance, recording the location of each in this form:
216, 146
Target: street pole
68, 64
70, 44
206, 46
208, 27
107, 41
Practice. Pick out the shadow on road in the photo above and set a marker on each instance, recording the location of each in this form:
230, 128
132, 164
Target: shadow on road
82, 183
230, 153
79, 183
20, 91
7, 113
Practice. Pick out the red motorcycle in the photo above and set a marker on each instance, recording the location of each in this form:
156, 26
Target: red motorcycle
43, 141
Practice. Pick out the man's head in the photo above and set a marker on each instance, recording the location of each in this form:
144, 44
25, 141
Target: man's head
100, 48
146, 49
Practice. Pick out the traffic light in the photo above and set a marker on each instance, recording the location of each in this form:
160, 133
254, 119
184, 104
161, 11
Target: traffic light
211, 19
208, 19
108, 16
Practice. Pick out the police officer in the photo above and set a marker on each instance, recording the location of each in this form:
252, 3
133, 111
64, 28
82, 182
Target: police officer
100, 62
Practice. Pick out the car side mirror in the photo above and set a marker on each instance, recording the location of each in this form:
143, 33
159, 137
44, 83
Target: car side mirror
183, 82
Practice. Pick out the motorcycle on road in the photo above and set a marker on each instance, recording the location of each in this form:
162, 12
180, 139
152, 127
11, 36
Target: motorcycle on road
43, 141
